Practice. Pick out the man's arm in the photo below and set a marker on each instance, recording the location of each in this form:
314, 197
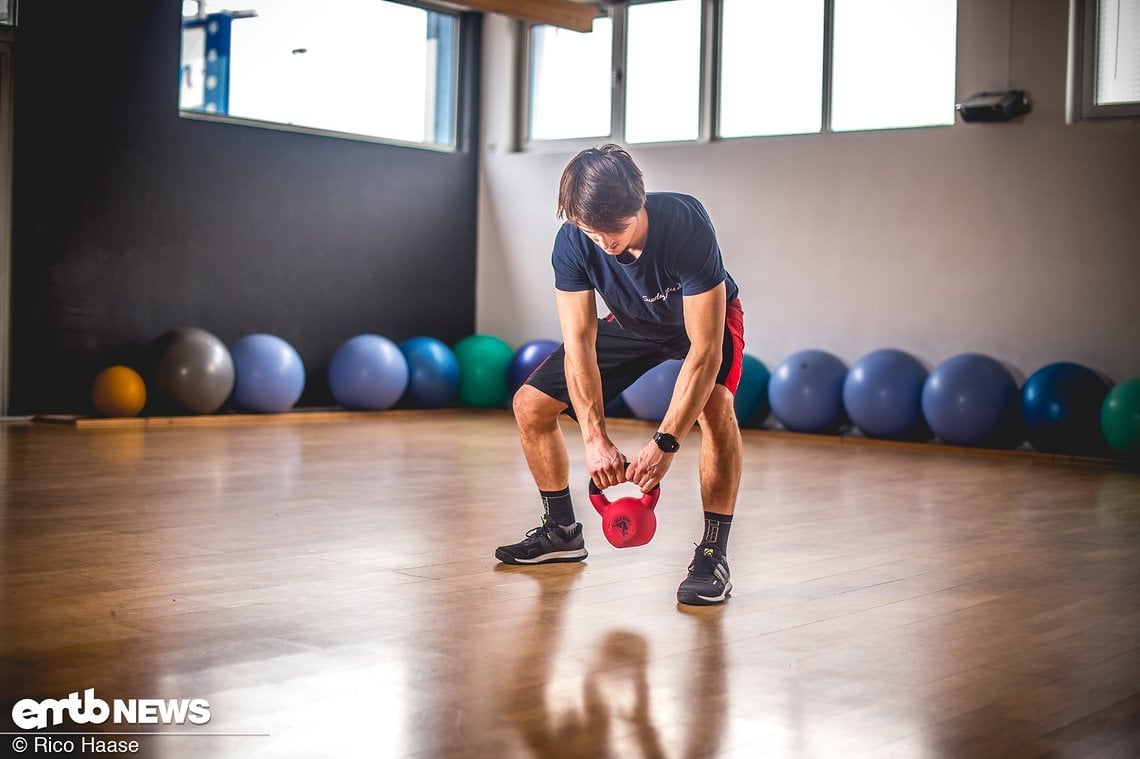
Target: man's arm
578, 315
704, 324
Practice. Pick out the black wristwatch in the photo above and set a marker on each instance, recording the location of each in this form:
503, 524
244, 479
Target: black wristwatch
666, 442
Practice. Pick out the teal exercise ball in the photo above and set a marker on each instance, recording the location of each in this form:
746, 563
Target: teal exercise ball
751, 399
1120, 417
484, 361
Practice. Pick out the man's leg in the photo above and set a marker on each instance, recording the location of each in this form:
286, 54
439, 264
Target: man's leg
709, 581
559, 537
720, 453
543, 444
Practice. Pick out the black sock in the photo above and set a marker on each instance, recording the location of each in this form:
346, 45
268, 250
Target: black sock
557, 507
717, 527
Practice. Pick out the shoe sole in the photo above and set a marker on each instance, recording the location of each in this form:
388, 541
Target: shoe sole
696, 599
553, 557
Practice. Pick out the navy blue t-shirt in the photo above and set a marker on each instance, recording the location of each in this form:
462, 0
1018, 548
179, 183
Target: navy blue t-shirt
681, 257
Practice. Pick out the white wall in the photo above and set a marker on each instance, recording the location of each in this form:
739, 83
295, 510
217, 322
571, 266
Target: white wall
1019, 240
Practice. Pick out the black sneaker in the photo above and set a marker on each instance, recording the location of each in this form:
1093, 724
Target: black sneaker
546, 543
708, 581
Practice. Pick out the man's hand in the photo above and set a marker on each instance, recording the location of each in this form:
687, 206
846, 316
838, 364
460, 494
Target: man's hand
648, 467
605, 463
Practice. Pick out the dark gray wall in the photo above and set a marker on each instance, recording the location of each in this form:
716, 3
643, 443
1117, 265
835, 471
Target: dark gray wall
130, 221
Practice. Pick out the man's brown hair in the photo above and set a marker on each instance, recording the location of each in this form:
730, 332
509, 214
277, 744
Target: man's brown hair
600, 189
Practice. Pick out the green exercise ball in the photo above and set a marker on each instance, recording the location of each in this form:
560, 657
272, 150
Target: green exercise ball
484, 361
1120, 416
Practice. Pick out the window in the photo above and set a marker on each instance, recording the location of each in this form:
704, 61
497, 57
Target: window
1117, 53
663, 72
570, 81
893, 63
771, 67
367, 68
1104, 61
640, 67
8, 12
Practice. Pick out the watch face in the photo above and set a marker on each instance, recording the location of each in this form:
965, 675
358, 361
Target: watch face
666, 442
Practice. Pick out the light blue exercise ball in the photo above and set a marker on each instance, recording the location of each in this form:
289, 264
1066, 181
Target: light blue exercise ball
648, 398
368, 372
970, 399
882, 393
806, 391
269, 375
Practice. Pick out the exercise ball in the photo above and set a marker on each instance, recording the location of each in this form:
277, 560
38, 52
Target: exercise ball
1120, 417
433, 372
882, 393
618, 409
1061, 405
483, 364
118, 391
968, 399
195, 371
648, 397
269, 375
368, 373
806, 391
527, 358
751, 400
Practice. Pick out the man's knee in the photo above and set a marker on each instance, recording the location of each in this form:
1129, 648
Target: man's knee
534, 408
718, 413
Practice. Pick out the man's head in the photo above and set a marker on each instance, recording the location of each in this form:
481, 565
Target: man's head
601, 190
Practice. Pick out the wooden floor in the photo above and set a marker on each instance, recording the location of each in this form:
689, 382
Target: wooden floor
328, 587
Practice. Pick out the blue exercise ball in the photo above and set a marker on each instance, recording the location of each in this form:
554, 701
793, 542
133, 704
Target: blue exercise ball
1061, 405
751, 400
433, 372
806, 391
368, 372
618, 409
269, 375
527, 358
648, 398
882, 393
967, 399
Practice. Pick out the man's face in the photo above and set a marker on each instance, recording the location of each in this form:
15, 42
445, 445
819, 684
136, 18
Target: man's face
614, 242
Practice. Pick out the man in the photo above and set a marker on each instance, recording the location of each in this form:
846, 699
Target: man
654, 259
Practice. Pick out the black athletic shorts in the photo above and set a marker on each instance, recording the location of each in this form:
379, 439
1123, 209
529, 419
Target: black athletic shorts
623, 357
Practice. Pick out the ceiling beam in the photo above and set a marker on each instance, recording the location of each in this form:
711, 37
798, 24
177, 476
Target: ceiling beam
564, 13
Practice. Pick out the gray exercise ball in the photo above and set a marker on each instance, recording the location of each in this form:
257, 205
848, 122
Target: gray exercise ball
195, 371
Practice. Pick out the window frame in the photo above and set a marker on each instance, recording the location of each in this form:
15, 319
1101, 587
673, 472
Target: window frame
1081, 71
709, 77
456, 85
710, 11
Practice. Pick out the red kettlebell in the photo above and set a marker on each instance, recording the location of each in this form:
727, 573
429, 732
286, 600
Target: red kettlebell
629, 521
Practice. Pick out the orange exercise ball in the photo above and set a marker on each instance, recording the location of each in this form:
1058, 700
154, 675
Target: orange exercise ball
119, 391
